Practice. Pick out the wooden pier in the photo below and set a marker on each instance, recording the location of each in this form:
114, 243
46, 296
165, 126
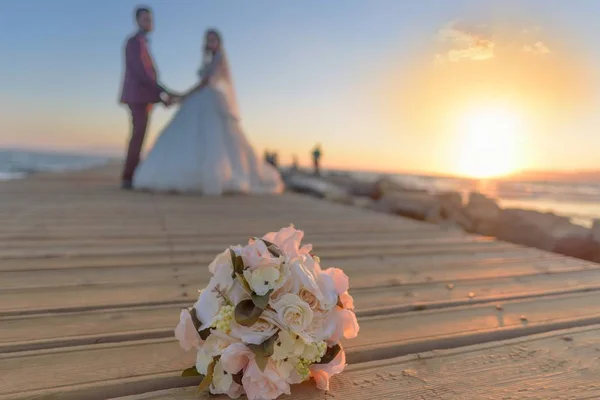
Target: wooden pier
92, 279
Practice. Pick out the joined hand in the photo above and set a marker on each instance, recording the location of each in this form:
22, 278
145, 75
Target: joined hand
172, 98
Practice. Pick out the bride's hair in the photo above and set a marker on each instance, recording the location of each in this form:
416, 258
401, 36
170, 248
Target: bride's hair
209, 53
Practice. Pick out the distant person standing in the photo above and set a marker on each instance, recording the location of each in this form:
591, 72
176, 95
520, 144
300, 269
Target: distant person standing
140, 90
316, 154
295, 166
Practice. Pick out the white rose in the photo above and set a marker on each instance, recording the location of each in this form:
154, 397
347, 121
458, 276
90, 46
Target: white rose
208, 305
203, 360
285, 288
217, 342
294, 314
261, 280
309, 298
264, 328
313, 264
317, 329
303, 277
222, 381
222, 269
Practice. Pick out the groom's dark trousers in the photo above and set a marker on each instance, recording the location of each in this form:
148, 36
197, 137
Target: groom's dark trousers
140, 91
140, 113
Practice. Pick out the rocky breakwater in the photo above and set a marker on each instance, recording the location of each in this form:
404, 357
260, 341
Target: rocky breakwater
476, 213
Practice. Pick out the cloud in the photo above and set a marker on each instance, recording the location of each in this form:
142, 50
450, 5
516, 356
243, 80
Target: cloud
531, 29
538, 48
464, 44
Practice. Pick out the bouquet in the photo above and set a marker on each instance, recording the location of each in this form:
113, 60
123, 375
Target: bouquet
269, 318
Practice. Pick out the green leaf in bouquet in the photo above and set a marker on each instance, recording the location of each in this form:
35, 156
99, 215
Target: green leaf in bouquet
237, 262
191, 372
330, 354
195, 320
263, 351
244, 284
261, 301
237, 378
209, 376
273, 248
246, 313
205, 333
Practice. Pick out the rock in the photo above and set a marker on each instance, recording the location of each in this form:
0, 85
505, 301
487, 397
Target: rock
354, 186
386, 185
339, 197
416, 205
595, 232
363, 202
536, 229
458, 217
578, 247
510, 226
317, 187
568, 229
548, 221
452, 210
453, 199
485, 228
482, 208
434, 214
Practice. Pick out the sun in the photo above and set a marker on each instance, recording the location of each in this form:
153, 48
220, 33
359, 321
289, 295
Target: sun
488, 142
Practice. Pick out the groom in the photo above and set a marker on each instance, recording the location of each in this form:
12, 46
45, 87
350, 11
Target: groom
141, 90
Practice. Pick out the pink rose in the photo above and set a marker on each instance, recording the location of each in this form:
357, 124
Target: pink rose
186, 333
341, 323
264, 385
340, 280
321, 373
288, 240
347, 301
235, 391
256, 255
236, 357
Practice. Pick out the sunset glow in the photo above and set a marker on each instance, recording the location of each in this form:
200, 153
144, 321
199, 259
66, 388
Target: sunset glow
488, 142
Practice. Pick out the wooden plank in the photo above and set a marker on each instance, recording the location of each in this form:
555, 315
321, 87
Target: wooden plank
413, 269
101, 366
228, 238
168, 246
556, 366
67, 260
178, 289
108, 325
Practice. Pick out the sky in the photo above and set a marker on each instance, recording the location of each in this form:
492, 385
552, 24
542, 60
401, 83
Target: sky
471, 87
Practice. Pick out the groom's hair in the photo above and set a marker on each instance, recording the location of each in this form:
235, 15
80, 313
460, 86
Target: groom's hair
140, 10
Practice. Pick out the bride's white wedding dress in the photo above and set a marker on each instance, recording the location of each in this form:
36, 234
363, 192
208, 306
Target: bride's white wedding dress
203, 149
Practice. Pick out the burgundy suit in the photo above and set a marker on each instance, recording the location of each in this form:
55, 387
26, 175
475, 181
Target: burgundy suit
140, 91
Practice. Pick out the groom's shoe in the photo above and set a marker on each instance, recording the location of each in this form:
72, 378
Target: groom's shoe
126, 185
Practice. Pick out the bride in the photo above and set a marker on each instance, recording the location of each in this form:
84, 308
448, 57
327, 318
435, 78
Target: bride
203, 148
